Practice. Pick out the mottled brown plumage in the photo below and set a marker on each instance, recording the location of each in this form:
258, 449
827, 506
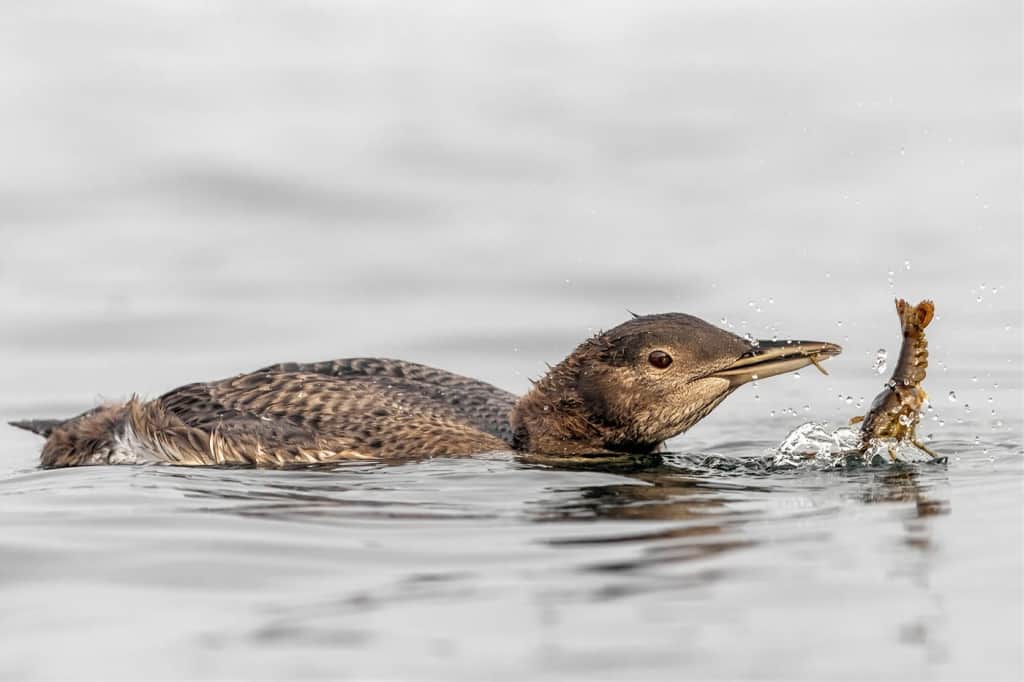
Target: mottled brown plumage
611, 395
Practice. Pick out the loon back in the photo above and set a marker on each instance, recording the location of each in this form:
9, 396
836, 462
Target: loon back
291, 414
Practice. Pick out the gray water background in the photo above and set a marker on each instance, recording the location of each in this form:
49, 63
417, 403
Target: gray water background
190, 190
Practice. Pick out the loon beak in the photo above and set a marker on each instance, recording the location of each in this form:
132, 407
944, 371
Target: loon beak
768, 358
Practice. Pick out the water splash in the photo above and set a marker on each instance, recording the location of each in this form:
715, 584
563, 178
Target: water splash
820, 444
881, 361
816, 442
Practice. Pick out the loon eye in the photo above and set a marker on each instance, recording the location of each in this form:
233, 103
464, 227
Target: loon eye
659, 359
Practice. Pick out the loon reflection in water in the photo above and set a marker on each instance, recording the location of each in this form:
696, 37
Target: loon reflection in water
709, 499
621, 392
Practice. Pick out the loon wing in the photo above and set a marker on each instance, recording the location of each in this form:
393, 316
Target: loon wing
475, 402
285, 414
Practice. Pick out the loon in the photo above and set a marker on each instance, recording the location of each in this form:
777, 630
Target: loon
622, 392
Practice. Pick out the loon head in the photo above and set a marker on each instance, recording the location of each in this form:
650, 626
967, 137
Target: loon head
629, 389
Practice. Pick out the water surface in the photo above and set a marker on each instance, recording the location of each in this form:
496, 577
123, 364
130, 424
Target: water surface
190, 191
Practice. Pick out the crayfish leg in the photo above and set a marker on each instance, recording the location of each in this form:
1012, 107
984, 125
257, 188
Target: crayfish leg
921, 446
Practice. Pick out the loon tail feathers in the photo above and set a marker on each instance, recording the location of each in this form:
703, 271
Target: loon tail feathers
43, 427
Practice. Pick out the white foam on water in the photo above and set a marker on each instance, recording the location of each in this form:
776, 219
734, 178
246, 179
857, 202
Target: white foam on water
822, 443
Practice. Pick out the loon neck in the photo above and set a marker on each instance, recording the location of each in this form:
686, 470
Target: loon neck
555, 419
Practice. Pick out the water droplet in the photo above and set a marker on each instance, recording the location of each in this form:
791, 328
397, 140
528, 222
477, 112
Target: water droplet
757, 397
796, 375
952, 396
807, 408
772, 413
942, 422
967, 408
849, 400
771, 300
974, 379
906, 265
881, 361
724, 320
750, 304
839, 323
979, 299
